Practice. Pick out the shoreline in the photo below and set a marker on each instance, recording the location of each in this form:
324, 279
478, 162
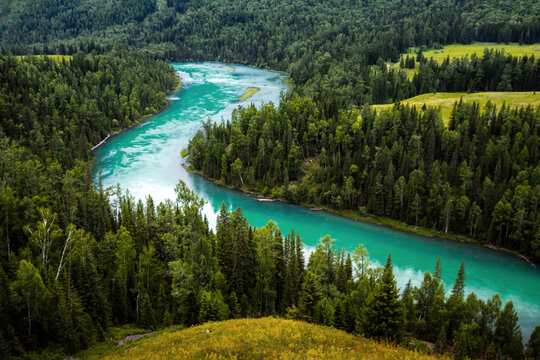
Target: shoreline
142, 119
376, 220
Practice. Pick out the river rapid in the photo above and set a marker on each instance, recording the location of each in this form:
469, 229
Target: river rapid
146, 160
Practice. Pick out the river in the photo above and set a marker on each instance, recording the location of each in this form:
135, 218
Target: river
146, 160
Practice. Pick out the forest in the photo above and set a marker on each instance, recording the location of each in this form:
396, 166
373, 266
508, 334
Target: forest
326, 48
78, 259
479, 176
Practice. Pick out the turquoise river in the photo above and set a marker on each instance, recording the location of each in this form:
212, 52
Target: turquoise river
146, 160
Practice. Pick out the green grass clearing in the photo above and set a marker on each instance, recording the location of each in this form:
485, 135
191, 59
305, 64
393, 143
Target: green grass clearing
459, 51
446, 100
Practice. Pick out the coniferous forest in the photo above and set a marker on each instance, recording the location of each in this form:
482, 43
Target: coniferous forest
78, 259
479, 176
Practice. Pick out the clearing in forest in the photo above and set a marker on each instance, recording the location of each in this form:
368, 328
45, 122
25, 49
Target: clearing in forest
446, 100
459, 51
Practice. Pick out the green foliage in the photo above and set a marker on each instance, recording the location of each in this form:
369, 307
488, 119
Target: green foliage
533, 346
507, 332
330, 52
212, 307
384, 314
459, 285
324, 313
90, 96
309, 296
456, 179
77, 259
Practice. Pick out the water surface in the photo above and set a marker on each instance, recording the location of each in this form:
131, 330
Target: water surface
146, 160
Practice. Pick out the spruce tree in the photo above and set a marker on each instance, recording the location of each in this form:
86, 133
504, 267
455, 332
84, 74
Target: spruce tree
7, 330
310, 295
533, 346
437, 273
324, 312
459, 286
508, 333
384, 314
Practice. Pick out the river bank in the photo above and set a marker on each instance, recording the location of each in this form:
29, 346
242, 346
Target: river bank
145, 160
373, 219
142, 118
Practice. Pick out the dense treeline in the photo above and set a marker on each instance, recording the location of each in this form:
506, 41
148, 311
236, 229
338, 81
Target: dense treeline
325, 47
51, 113
58, 108
479, 176
162, 265
76, 260
43, 21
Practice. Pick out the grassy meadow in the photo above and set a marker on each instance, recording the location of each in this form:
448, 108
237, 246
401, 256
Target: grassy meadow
459, 51
446, 100
267, 338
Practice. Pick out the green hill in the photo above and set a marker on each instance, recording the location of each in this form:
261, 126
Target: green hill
266, 338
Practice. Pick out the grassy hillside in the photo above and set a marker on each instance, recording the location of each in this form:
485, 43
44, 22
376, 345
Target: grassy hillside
446, 100
267, 338
459, 51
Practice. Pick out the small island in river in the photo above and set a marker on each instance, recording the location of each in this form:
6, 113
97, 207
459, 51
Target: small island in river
249, 93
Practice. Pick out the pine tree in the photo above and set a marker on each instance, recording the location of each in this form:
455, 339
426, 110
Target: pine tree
7, 331
533, 346
384, 314
147, 314
324, 312
310, 295
30, 293
224, 242
438, 270
459, 286
212, 307
508, 333
408, 307
455, 304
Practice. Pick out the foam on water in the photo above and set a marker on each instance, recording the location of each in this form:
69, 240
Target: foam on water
185, 78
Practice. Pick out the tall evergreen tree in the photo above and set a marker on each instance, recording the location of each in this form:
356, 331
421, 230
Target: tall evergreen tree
508, 333
384, 314
459, 286
309, 296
